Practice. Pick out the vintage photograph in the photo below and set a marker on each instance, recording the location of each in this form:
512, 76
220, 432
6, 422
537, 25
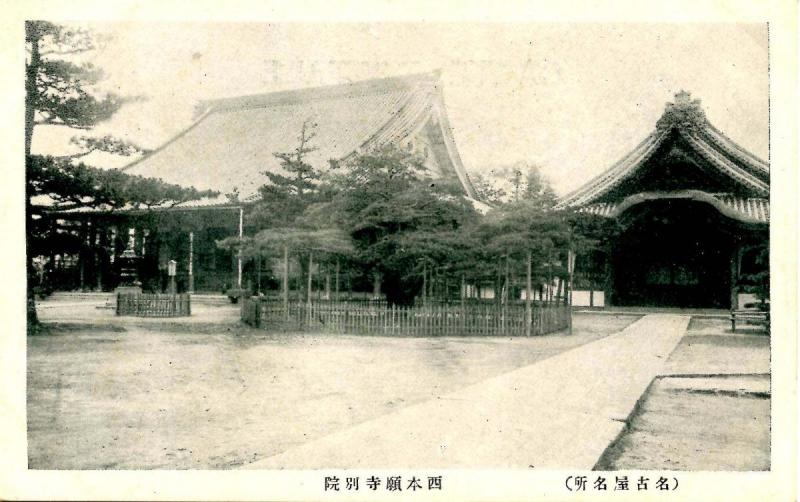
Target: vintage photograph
283, 246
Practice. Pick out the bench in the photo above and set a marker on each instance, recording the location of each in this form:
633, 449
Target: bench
750, 316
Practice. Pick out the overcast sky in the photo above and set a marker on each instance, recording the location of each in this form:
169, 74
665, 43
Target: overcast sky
571, 97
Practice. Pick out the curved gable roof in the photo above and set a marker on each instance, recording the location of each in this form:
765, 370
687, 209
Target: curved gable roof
685, 116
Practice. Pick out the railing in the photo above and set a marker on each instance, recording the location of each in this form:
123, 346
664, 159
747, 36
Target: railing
153, 305
419, 320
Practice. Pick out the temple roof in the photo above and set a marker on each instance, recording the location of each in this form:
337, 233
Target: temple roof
746, 209
232, 142
686, 120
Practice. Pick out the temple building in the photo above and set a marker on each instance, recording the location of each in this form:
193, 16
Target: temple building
692, 209
227, 149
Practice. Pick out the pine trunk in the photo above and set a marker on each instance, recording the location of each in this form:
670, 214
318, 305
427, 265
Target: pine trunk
31, 92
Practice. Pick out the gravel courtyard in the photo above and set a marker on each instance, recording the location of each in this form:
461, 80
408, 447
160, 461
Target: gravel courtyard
134, 397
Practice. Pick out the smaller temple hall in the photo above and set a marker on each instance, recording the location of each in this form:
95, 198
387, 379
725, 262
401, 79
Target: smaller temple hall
692, 209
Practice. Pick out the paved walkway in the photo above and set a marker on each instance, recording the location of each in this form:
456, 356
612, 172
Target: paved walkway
559, 413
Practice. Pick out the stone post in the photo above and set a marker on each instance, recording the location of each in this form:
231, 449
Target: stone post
172, 267
190, 268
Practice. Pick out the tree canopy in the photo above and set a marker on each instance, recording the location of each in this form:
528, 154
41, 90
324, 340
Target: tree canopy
390, 205
286, 195
60, 91
514, 183
383, 211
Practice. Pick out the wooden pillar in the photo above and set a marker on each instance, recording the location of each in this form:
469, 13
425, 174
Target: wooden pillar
138, 240
463, 290
53, 235
424, 283
736, 258
114, 243
507, 280
428, 293
734, 279
528, 293
286, 280
84, 235
608, 293
239, 254
559, 289
94, 241
571, 259
143, 241
498, 273
310, 274
327, 282
190, 265
102, 245
337, 279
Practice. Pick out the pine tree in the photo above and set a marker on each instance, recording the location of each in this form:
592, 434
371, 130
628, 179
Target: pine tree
287, 194
58, 93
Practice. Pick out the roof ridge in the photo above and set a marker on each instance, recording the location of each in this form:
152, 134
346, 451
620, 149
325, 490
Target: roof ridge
725, 165
598, 182
738, 150
290, 96
687, 117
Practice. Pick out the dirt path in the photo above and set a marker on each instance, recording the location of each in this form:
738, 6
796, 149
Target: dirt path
557, 413
137, 398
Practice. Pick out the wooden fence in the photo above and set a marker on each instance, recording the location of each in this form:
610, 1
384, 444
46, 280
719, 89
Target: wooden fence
154, 305
419, 320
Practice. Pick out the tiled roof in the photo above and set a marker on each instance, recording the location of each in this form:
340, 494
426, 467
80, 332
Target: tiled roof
728, 158
232, 143
612, 177
747, 209
219, 202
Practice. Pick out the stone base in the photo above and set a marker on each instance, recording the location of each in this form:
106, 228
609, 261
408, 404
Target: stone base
128, 290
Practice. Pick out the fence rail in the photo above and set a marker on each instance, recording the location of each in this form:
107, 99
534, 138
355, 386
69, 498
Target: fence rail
427, 320
154, 305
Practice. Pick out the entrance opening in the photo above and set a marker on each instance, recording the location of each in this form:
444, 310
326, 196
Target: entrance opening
673, 253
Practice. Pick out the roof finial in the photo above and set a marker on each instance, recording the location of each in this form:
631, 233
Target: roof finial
685, 113
683, 97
